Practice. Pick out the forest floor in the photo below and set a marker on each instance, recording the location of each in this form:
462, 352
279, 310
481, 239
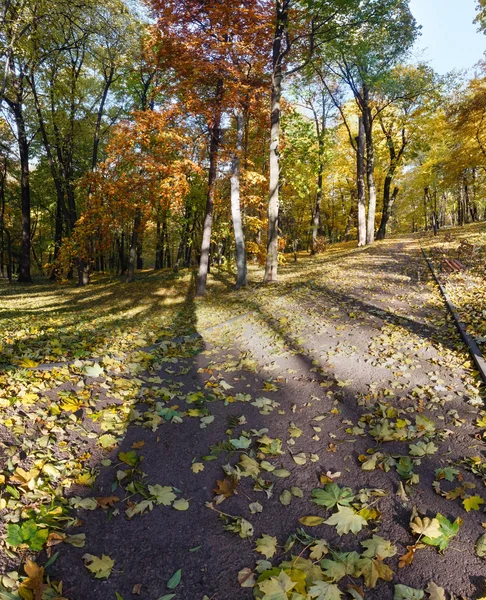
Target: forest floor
318, 437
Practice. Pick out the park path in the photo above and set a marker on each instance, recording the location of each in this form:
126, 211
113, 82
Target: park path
355, 337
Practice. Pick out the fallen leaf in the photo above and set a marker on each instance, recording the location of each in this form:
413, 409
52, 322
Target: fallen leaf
266, 545
100, 567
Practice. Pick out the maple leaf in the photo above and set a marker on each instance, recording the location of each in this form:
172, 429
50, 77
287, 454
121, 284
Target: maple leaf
343, 563
197, 467
447, 473
294, 431
373, 569
226, 487
346, 519
448, 530
266, 545
332, 495
34, 581
100, 567
250, 467
423, 449
130, 458
138, 508
321, 590
472, 503
319, 549
426, 526
162, 494
28, 533
107, 501
276, 588
378, 547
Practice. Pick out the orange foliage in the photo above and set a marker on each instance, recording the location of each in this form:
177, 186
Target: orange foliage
146, 171
202, 43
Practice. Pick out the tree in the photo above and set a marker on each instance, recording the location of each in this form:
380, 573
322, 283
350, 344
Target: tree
362, 63
403, 100
145, 171
203, 49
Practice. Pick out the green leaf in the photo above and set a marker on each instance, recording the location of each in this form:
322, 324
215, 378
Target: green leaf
448, 530
167, 597
174, 580
14, 535
472, 503
346, 519
285, 497
403, 592
241, 443
332, 495
423, 449
27, 533
130, 458
447, 473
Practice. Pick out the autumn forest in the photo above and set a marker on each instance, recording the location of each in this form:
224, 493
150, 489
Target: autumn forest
242, 303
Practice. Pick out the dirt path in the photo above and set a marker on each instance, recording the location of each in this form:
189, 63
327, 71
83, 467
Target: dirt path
361, 347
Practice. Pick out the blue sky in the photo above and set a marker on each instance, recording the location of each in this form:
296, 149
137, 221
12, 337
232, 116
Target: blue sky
449, 38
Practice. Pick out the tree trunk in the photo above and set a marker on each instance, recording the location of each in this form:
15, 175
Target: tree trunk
132, 257
24, 271
273, 203
215, 135
361, 184
159, 247
426, 217
388, 202
140, 253
370, 166
235, 205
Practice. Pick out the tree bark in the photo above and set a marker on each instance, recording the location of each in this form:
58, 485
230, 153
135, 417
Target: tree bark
24, 271
215, 136
273, 203
370, 166
132, 257
389, 200
361, 184
241, 271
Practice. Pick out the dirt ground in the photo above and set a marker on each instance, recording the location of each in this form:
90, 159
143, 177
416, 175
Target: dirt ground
353, 336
